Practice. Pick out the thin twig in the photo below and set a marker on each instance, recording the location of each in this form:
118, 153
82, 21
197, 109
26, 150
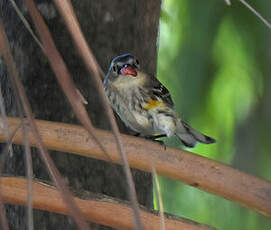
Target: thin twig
160, 201
60, 184
256, 13
68, 14
3, 217
26, 24
9, 137
29, 173
3, 154
4, 121
10, 140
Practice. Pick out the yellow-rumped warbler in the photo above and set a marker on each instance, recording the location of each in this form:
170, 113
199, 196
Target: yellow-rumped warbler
144, 104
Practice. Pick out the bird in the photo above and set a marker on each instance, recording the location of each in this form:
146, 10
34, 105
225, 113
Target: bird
144, 104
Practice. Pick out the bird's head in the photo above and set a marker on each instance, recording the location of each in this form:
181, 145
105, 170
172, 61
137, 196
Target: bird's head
121, 66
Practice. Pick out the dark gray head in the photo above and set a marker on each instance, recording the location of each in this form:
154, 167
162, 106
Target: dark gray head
125, 64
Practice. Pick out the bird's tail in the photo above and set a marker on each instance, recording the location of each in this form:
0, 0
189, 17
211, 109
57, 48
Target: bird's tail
189, 136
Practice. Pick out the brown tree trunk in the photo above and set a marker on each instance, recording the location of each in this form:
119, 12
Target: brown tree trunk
111, 28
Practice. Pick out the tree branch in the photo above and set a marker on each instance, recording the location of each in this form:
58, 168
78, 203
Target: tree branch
192, 169
100, 209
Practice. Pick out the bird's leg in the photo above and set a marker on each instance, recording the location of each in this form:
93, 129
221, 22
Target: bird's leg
161, 143
153, 138
136, 134
157, 136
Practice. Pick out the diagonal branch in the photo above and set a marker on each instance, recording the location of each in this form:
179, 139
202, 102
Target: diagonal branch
26, 24
71, 21
256, 13
55, 175
192, 169
29, 173
61, 71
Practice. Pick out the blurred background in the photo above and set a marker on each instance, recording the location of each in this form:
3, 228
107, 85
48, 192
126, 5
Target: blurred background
216, 61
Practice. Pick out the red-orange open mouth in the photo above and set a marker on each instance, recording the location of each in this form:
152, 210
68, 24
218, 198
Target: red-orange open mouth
128, 70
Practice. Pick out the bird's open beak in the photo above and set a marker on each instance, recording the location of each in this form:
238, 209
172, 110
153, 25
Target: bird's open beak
128, 70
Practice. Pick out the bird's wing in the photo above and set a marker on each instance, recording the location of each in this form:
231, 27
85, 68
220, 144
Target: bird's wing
160, 91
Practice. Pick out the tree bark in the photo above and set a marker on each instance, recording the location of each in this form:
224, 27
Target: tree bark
111, 28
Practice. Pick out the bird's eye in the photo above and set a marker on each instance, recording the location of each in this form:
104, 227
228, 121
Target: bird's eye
137, 62
123, 67
114, 69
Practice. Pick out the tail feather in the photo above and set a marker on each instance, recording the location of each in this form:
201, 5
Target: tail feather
189, 136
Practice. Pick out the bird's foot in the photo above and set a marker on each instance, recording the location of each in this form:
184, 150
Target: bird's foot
154, 139
136, 134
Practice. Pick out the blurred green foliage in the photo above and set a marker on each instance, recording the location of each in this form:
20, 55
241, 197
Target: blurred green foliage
215, 60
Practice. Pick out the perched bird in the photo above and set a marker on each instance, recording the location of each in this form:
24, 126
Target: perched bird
144, 104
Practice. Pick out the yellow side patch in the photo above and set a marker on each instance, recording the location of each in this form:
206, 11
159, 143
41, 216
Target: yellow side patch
153, 104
